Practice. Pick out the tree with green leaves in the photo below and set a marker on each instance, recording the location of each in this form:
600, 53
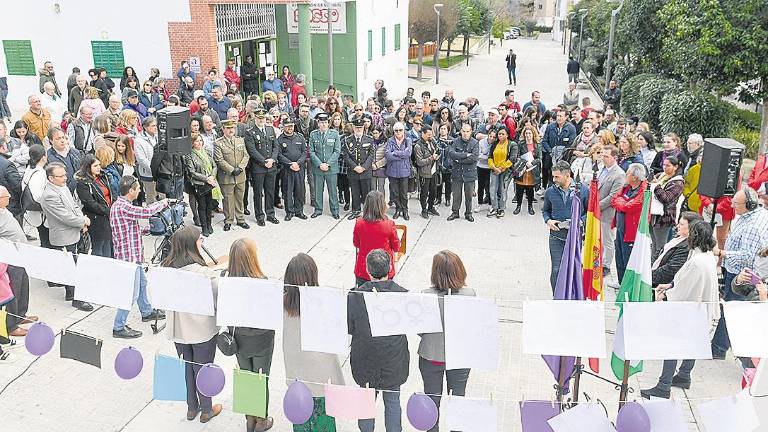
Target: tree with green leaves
422, 25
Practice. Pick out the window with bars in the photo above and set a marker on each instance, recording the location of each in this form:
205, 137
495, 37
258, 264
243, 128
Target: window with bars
237, 22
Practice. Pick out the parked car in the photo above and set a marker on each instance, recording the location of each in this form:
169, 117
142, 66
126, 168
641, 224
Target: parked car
515, 31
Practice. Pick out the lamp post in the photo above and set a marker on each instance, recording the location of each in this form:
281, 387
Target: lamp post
570, 37
437, 7
609, 60
329, 11
581, 32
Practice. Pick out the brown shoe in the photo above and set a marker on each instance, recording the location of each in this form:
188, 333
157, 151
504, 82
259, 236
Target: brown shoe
29, 319
263, 424
192, 414
215, 410
18, 332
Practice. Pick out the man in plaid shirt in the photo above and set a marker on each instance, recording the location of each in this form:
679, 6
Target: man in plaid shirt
128, 246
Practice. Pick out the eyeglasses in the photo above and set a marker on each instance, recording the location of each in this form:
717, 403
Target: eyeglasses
59, 176
398, 130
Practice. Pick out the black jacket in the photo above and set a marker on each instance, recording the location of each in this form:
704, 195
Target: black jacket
261, 146
95, 206
292, 149
671, 262
355, 154
11, 179
573, 67
381, 362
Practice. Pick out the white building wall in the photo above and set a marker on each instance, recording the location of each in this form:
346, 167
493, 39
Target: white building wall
392, 67
64, 38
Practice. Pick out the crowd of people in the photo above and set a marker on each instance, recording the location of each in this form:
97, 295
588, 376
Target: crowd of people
85, 169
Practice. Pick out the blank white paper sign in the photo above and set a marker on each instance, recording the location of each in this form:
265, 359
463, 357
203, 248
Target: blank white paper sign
469, 415
105, 281
584, 417
324, 320
50, 265
249, 302
665, 416
180, 291
564, 327
730, 414
471, 333
666, 330
747, 323
395, 313
9, 254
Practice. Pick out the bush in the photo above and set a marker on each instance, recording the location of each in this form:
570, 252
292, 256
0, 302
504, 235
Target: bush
688, 112
749, 137
543, 29
651, 93
630, 93
622, 72
748, 119
593, 60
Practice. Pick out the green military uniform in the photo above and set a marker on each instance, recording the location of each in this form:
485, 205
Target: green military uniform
231, 156
325, 147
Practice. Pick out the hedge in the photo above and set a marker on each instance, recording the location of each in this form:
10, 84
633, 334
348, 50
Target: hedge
688, 112
630, 93
652, 91
749, 137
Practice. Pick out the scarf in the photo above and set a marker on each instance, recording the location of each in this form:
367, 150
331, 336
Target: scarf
586, 139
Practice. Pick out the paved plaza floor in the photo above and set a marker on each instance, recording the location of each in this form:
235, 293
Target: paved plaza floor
507, 260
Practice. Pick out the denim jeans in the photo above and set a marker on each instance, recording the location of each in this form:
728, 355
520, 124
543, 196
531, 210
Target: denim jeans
499, 187
621, 252
392, 413
720, 341
668, 371
101, 247
512, 75
139, 296
556, 248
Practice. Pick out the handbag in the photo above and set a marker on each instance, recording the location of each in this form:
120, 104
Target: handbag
28, 203
519, 167
84, 245
202, 189
227, 343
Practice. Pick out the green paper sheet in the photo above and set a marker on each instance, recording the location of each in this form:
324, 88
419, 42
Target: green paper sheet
250, 393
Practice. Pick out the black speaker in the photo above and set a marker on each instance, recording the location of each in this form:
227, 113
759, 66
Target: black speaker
173, 130
720, 167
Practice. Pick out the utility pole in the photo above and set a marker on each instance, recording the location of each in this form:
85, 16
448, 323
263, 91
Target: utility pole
609, 60
581, 33
437, 7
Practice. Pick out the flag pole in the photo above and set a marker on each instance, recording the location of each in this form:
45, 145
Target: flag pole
561, 382
576, 380
624, 385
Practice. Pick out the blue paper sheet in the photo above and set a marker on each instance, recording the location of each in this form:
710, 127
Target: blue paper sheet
169, 381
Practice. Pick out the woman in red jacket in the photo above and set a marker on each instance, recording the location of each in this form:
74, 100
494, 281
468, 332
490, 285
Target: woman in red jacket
374, 230
725, 210
628, 204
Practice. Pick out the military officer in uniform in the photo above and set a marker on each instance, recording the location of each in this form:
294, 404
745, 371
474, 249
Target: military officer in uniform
231, 158
358, 154
260, 142
293, 150
324, 151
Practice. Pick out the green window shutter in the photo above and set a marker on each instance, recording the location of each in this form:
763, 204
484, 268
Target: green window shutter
18, 57
370, 45
397, 37
109, 55
383, 41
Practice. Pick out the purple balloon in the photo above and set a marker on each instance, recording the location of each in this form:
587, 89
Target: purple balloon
422, 412
39, 339
210, 380
633, 418
128, 363
298, 404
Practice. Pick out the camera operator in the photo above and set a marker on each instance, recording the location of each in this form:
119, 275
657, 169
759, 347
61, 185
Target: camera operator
128, 246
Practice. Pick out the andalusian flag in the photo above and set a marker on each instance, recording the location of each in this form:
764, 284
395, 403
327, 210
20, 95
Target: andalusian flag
635, 287
592, 256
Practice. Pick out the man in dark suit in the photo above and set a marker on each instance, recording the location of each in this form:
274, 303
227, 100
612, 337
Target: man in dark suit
293, 150
358, 151
262, 149
609, 183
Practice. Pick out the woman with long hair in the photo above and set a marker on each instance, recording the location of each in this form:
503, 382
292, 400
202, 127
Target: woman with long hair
128, 74
444, 140
448, 277
584, 168
669, 187
128, 123
255, 346
193, 335
629, 152
379, 174
444, 117
647, 147
20, 142
106, 157
131, 85
501, 156
124, 157
35, 179
308, 366
97, 195
671, 146
202, 176
530, 178
374, 231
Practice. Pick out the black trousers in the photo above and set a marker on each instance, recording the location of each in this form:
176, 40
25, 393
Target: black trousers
199, 353
458, 187
546, 169
483, 185
205, 208
293, 191
278, 183
263, 194
445, 185
245, 191
398, 193
20, 304
360, 188
342, 186
519, 189
427, 192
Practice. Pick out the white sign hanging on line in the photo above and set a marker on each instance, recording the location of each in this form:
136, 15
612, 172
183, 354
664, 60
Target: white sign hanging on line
318, 18
105, 281
666, 330
747, 323
584, 417
471, 333
249, 302
564, 327
9, 254
52, 265
469, 415
730, 414
394, 313
665, 415
180, 291
324, 320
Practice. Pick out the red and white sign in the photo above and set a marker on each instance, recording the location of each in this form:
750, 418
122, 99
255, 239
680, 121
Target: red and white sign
318, 18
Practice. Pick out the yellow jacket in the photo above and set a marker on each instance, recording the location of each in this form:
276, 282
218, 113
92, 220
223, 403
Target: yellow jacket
691, 188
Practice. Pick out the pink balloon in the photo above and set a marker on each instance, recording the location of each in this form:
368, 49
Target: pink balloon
39, 339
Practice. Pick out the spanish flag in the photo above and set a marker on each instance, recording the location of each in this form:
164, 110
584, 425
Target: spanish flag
592, 256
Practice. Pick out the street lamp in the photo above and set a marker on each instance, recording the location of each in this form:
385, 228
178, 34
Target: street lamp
609, 61
437, 7
568, 23
581, 32
328, 5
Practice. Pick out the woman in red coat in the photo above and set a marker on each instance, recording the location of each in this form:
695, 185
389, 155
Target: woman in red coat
724, 209
374, 230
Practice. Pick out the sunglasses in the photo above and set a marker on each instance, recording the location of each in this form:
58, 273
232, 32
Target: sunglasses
398, 130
